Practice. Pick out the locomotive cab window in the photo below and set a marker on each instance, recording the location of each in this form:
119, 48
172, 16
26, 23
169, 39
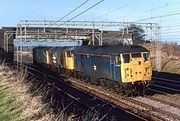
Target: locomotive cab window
136, 55
126, 58
146, 56
70, 54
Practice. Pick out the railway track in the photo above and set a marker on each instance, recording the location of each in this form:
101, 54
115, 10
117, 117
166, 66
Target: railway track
131, 105
163, 106
163, 101
135, 105
165, 86
104, 108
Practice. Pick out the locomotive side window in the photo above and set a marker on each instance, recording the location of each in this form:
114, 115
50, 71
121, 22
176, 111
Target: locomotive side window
126, 58
136, 55
146, 56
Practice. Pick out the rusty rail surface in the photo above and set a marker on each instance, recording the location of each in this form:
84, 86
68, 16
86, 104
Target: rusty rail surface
136, 107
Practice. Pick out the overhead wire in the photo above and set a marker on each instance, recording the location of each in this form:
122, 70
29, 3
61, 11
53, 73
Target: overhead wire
169, 26
108, 13
81, 13
171, 30
175, 38
147, 10
170, 33
160, 16
153, 9
150, 9
71, 11
170, 37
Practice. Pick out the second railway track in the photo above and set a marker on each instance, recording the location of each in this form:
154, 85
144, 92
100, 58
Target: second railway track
165, 86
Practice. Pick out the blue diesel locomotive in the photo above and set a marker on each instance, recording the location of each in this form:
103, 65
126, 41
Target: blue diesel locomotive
124, 69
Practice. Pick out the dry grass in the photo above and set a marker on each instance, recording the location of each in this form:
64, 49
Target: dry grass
168, 50
171, 65
170, 56
12, 83
25, 100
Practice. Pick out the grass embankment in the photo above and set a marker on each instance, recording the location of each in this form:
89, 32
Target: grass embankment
24, 99
16, 104
171, 66
9, 107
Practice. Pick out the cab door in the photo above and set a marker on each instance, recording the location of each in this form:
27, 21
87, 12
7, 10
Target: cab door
125, 67
69, 60
118, 68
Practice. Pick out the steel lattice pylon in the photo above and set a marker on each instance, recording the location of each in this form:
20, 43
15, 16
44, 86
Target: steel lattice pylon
46, 29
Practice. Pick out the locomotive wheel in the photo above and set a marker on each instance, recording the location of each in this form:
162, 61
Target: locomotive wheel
130, 93
76, 75
60, 71
66, 72
139, 89
109, 85
128, 90
93, 80
87, 79
118, 89
146, 89
80, 76
70, 73
102, 82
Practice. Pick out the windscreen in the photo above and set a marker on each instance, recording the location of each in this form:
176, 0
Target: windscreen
70, 54
126, 58
146, 56
136, 55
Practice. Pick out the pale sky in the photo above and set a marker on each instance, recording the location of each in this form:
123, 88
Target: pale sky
164, 12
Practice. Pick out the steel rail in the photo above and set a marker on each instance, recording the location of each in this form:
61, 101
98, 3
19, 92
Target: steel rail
163, 87
83, 91
163, 79
167, 83
161, 92
89, 94
121, 101
163, 101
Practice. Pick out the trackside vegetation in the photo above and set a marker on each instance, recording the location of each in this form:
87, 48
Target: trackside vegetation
19, 102
16, 104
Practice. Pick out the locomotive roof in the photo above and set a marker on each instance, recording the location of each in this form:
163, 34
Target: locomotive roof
54, 49
60, 49
116, 49
40, 48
